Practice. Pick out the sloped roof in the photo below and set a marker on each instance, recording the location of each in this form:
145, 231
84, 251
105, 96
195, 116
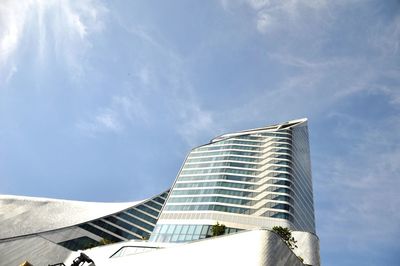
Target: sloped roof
35, 249
28, 215
285, 125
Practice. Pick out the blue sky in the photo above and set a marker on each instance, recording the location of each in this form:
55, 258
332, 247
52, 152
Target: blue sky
102, 100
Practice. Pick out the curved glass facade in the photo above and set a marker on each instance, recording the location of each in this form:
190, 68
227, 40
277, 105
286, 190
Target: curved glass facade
137, 222
263, 173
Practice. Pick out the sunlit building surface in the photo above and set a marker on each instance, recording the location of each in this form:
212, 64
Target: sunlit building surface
45, 231
248, 180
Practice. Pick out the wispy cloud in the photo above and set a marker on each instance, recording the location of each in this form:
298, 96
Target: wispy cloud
122, 112
360, 187
269, 14
386, 37
161, 86
12, 21
306, 63
59, 27
194, 123
316, 75
107, 120
357, 180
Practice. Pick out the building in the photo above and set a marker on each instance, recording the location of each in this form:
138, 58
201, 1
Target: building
54, 228
250, 248
249, 180
256, 178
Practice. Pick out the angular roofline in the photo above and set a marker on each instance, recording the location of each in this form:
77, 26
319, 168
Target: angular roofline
276, 127
61, 210
43, 199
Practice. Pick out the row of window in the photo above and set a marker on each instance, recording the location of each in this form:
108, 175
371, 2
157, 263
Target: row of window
142, 215
230, 177
280, 206
283, 156
279, 215
280, 162
218, 191
279, 197
145, 208
280, 168
219, 170
184, 233
250, 137
227, 199
278, 189
267, 134
221, 191
127, 226
100, 233
279, 145
210, 199
219, 164
279, 150
279, 182
114, 229
235, 144
208, 207
222, 158
283, 140
280, 175
127, 220
235, 141
196, 154
215, 184
154, 205
159, 200
212, 177
135, 221
165, 194
213, 147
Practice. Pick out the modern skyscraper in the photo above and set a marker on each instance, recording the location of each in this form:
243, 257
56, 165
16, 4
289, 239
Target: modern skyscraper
259, 177
256, 178
248, 180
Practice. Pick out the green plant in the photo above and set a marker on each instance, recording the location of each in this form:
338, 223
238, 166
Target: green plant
218, 229
102, 242
286, 235
105, 241
90, 245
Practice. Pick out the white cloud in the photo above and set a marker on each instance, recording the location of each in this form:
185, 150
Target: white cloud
11, 73
258, 4
122, 112
263, 22
195, 123
303, 62
13, 15
131, 108
48, 25
162, 76
108, 120
270, 14
144, 75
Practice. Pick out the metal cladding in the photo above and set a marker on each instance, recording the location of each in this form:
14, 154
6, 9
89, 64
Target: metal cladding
250, 248
43, 231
